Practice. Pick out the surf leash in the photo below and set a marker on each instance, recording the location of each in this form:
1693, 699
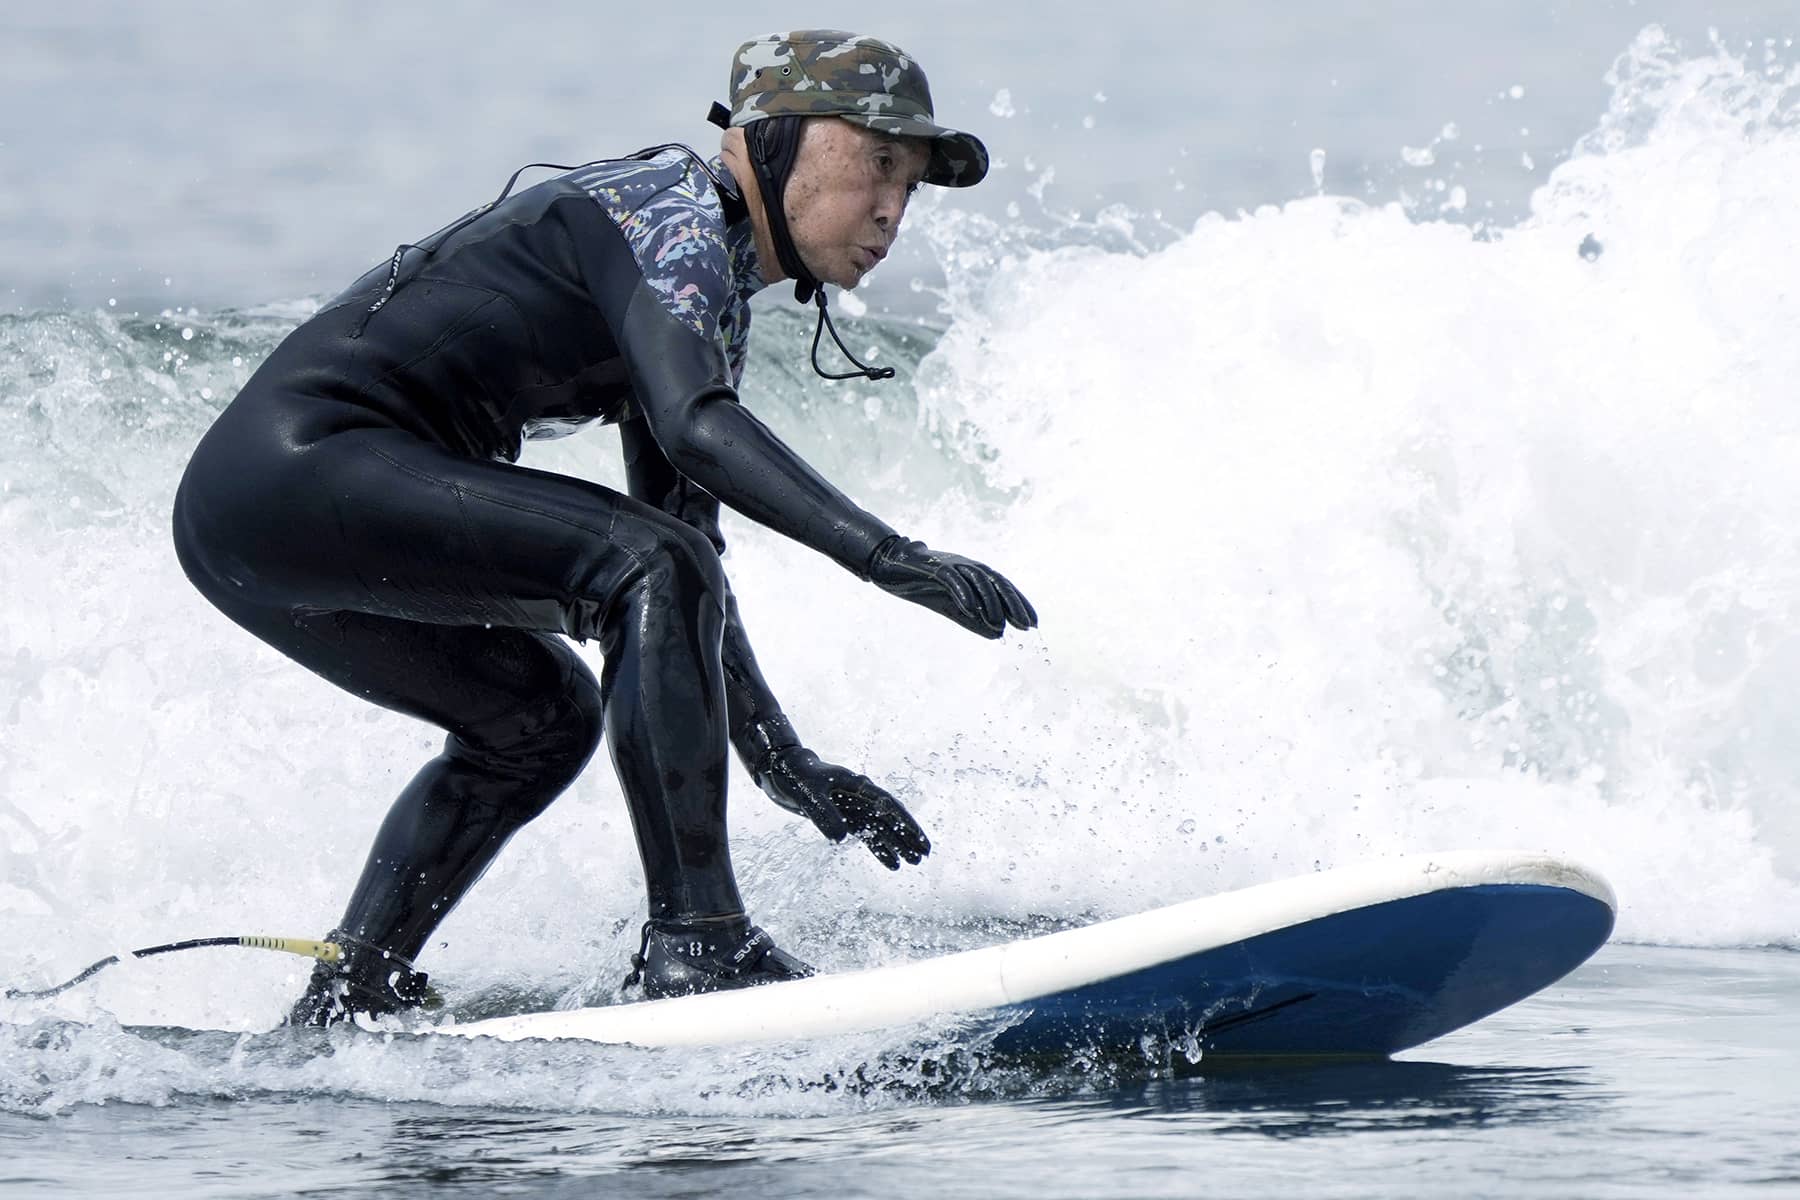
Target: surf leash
304, 947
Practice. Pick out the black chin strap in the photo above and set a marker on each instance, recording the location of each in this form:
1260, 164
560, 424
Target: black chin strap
774, 145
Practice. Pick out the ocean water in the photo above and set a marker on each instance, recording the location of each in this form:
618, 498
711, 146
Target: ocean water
1359, 526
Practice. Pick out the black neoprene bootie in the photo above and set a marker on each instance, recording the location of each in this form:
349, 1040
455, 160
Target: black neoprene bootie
366, 981
680, 958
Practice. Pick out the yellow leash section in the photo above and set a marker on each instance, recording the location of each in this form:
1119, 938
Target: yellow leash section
304, 947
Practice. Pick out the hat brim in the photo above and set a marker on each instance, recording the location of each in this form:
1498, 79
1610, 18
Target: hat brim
958, 159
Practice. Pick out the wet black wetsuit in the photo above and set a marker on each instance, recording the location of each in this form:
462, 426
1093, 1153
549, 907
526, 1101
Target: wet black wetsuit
357, 507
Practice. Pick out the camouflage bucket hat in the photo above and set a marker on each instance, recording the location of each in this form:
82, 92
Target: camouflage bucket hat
824, 72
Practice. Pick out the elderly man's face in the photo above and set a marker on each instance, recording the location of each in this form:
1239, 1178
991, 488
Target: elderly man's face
847, 194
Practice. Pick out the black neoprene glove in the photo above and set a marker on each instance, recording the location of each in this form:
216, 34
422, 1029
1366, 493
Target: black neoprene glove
842, 804
972, 594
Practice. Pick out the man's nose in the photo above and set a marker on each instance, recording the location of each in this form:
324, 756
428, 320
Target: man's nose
890, 208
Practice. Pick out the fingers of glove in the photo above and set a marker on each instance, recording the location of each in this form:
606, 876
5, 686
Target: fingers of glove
905, 835
1018, 608
960, 605
974, 622
981, 580
961, 594
882, 821
884, 853
952, 600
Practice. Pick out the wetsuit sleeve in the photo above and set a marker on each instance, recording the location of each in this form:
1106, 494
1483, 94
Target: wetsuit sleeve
754, 715
650, 477
682, 385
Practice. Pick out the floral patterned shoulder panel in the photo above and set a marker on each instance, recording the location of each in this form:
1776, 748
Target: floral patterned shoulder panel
670, 212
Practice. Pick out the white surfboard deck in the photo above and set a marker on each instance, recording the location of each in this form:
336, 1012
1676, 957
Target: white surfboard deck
1061, 965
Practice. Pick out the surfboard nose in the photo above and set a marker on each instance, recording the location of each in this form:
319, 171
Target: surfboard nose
1367, 982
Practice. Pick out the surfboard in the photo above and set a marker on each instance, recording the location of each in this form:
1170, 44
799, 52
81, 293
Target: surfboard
1360, 961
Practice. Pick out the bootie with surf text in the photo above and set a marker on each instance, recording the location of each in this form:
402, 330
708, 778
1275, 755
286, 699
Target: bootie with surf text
681, 958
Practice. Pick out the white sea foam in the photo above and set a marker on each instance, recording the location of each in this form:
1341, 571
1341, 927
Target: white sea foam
1357, 534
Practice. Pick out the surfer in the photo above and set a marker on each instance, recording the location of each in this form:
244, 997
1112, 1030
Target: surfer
358, 507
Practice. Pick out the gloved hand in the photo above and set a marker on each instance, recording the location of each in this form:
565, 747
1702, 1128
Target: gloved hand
842, 803
974, 595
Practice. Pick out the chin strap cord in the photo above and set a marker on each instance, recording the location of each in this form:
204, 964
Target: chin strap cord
863, 370
304, 947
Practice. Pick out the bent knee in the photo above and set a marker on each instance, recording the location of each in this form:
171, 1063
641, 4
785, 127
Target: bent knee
694, 560
543, 747
680, 571
673, 569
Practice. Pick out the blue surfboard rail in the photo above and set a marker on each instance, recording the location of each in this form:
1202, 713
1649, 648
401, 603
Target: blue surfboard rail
1364, 983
